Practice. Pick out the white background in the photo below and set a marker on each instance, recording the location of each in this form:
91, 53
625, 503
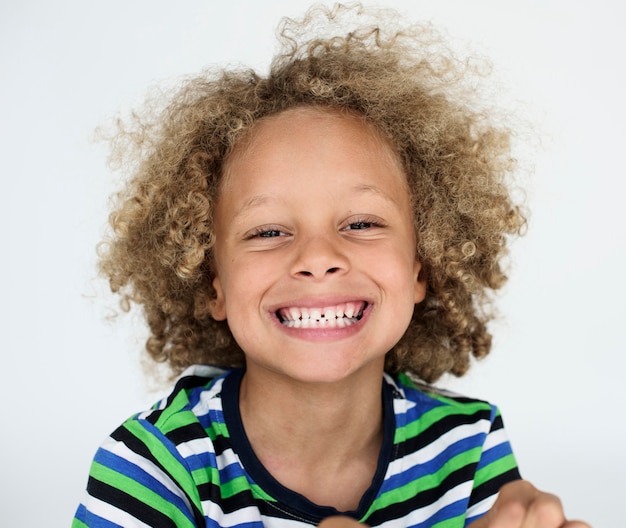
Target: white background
69, 377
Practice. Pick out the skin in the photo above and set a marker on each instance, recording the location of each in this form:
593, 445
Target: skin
313, 216
314, 213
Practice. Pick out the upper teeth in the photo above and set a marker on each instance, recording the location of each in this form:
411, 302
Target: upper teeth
339, 315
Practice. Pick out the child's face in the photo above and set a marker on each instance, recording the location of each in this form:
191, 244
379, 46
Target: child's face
315, 247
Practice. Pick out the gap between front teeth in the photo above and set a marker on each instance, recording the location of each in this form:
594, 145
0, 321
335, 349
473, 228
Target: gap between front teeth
341, 322
331, 317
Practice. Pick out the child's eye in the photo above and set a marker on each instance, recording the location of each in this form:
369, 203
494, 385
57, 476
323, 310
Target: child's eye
362, 224
359, 225
270, 233
265, 232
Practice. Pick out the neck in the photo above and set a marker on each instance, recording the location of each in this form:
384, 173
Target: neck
327, 411
322, 433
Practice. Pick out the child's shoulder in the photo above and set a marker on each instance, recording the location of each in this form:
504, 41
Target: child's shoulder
425, 399
194, 396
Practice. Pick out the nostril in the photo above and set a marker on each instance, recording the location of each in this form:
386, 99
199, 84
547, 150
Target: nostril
329, 271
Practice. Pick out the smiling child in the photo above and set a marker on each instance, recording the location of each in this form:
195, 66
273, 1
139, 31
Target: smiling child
310, 249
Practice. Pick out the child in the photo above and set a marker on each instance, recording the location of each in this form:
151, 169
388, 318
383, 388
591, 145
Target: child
306, 246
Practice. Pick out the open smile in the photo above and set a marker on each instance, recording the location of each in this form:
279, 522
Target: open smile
336, 316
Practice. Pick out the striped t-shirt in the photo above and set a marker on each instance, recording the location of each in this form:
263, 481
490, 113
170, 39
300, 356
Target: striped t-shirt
187, 463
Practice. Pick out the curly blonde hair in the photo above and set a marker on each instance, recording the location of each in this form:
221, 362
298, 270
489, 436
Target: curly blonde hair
406, 83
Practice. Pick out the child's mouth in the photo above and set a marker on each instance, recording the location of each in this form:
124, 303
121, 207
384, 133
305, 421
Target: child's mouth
337, 316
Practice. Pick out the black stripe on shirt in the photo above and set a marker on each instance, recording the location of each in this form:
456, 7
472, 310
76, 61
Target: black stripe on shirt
493, 485
121, 434
423, 498
212, 492
131, 505
438, 429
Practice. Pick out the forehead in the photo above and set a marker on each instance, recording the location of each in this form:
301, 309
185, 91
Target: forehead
305, 160
348, 130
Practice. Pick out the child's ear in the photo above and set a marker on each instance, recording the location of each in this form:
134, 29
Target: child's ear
419, 278
218, 306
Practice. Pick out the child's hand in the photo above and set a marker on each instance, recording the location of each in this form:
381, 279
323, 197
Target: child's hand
339, 521
521, 505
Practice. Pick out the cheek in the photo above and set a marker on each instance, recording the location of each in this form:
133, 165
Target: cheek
246, 282
391, 264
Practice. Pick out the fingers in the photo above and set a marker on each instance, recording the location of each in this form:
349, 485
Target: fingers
340, 522
521, 505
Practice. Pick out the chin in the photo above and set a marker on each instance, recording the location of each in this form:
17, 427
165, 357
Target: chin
319, 371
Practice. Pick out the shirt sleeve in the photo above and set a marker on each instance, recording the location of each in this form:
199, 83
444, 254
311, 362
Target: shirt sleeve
139, 479
497, 467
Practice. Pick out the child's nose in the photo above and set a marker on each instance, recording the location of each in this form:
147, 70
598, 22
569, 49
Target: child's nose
318, 257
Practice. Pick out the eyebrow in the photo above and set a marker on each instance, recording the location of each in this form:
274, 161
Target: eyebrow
365, 188
255, 201
259, 200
